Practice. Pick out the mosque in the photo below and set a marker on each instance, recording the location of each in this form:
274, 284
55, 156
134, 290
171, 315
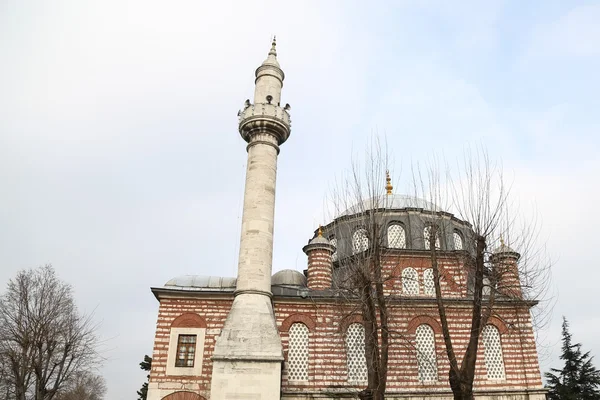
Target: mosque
264, 337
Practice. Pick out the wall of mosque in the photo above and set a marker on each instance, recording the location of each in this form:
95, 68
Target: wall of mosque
315, 330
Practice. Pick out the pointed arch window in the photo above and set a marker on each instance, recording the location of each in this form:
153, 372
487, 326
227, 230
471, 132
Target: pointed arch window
458, 240
427, 236
298, 352
334, 255
355, 349
360, 241
492, 353
428, 283
396, 236
426, 359
410, 281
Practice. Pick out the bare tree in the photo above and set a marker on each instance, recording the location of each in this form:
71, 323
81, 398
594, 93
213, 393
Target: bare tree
83, 386
361, 279
44, 341
493, 277
478, 195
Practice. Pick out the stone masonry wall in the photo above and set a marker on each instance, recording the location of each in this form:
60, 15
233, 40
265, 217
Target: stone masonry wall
327, 353
327, 322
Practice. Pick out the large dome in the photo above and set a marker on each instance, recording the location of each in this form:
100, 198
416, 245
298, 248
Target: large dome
391, 202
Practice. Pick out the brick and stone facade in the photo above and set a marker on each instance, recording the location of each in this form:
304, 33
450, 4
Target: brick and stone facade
294, 336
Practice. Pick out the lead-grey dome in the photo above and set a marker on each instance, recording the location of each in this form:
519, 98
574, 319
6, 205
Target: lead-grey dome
288, 277
391, 202
201, 282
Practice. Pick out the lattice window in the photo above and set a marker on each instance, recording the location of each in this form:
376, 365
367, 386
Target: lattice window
298, 352
396, 236
425, 345
355, 347
410, 281
360, 241
492, 351
186, 351
428, 284
334, 255
458, 241
427, 236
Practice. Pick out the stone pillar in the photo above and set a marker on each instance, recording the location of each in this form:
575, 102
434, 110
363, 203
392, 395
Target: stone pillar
320, 265
248, 353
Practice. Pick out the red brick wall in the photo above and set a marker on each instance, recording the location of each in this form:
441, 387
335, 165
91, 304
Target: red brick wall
214, 312
327, 360
319, 269
328, 320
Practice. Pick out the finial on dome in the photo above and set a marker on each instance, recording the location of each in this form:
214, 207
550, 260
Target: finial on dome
388, 180
320, 233
501, 241
273, 51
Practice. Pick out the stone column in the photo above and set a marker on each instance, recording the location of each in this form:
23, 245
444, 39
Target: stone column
248, 353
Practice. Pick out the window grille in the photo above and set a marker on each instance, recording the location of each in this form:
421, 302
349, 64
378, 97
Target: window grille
427, 235
186, 351
492, 352
458, 241
396, 236
426, 360
410, 281
355, 348
360, 241
428, 283
334, 255
298, 352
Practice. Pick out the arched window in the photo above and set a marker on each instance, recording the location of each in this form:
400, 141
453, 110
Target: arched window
334, 255
298, 352
410, 281
492, 352
396, 236
360, 241
425, 345
458, 241
427, 236
355, 348
428, 284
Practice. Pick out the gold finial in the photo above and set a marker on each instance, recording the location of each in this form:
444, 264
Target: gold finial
320, 234
388, 180
501, 241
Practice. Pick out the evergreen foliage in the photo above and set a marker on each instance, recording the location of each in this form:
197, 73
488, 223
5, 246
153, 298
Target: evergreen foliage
145, 365
579, 379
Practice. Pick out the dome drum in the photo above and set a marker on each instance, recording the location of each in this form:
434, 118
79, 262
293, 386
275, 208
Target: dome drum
410, 228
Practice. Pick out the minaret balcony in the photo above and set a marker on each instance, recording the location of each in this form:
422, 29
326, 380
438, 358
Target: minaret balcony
265, 117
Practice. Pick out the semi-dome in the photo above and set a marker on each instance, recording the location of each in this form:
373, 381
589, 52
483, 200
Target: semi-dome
391, 202
288, 277
201, 282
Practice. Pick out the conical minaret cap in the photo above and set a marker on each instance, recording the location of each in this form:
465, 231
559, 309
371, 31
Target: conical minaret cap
318, 242
272, 57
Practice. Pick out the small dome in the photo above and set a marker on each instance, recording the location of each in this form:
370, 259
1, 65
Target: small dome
200, 281
288, 277
319, 240
504, 249
391, 202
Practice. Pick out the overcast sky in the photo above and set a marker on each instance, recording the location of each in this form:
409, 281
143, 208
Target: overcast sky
121, 164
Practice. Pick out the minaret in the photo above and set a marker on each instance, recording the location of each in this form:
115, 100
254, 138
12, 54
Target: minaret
248, 354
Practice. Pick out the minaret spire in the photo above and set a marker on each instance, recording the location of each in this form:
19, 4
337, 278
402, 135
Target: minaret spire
249, 347
273, 51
